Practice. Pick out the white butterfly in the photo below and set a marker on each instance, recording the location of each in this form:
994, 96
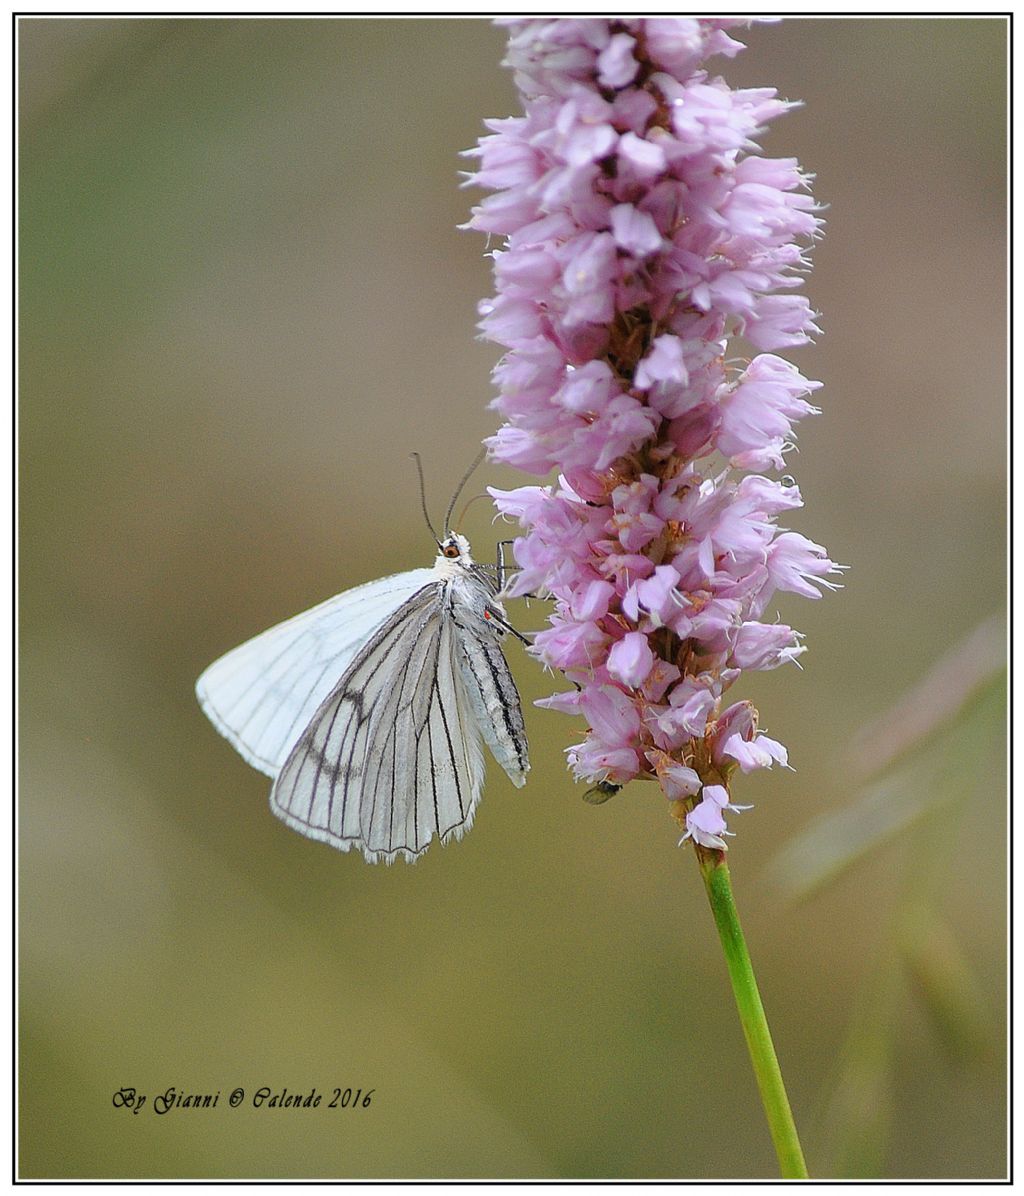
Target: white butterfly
368, 709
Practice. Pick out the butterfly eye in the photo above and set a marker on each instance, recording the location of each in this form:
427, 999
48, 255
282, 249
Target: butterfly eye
451, 551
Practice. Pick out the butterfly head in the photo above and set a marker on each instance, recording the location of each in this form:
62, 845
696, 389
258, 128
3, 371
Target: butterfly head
455, 548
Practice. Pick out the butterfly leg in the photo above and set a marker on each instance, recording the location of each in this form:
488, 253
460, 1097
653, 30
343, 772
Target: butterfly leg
501, 622
503, 571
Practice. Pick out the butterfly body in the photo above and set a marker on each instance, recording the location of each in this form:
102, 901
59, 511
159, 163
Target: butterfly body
368, 710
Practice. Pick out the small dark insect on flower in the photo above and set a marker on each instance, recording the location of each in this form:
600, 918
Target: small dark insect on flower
601, 793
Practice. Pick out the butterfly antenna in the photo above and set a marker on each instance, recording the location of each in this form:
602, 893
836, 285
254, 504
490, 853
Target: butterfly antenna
475, 498
458, 490
423, 497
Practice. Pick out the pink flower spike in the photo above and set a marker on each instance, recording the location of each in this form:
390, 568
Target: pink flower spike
636, 228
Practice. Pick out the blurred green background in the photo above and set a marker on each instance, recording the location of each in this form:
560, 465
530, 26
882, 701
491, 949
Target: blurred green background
244, 300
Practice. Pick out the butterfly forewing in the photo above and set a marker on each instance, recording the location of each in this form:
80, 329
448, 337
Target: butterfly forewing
261, 696
318, 789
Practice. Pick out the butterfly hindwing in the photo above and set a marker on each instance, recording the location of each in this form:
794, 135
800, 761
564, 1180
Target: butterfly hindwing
491, 693
392, 757
424, 768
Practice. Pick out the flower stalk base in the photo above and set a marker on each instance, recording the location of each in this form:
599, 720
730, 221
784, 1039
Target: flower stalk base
715, 872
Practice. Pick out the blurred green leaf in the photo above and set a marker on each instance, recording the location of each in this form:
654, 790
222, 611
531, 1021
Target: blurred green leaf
932, 706
948, 989
936, 748
952, 771
859, 1112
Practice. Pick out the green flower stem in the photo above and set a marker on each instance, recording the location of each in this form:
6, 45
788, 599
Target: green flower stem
751, 1011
